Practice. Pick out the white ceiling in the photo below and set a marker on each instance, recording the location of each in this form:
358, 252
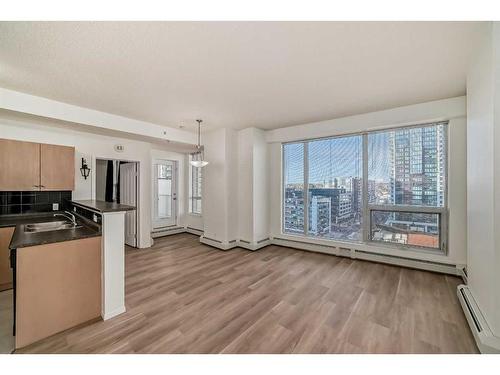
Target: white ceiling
237, 74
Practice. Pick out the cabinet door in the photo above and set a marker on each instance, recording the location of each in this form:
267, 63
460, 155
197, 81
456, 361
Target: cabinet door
58, 286
19, 165
5, 270
57, 167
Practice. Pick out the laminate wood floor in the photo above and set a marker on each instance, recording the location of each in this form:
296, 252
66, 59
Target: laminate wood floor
186, 297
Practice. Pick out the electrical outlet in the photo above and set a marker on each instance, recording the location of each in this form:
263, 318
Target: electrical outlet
55, 206
95, 218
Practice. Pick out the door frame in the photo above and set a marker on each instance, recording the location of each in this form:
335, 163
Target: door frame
138, 223
175, 192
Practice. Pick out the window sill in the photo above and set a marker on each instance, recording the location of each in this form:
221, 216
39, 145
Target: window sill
194, 214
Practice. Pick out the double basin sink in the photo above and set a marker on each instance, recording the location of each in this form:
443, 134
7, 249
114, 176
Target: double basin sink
50, 226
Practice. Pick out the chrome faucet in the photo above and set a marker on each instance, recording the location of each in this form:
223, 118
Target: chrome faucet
68, 215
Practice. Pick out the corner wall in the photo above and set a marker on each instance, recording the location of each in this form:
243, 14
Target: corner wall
483, 177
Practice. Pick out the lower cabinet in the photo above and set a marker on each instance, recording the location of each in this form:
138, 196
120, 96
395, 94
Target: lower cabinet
5, 270
58, 286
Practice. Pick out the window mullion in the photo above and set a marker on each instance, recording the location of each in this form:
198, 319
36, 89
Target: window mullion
366, 214
306, 189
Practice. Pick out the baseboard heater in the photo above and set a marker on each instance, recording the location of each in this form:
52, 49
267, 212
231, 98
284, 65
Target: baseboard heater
353, 253
485, 340
166, 231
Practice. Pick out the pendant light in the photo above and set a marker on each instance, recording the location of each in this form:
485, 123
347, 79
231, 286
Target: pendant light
197, 158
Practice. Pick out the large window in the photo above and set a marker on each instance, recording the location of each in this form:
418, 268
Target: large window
386, 186
194, 189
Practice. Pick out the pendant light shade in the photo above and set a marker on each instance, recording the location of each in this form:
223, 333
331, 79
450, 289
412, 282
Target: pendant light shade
198, 163
197, 158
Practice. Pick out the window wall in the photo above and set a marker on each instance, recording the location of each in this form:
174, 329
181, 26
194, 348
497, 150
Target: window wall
386, 186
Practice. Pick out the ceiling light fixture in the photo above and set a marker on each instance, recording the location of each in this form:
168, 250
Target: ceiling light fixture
197, 158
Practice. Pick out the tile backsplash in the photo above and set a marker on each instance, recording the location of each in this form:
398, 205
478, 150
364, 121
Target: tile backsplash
26, 202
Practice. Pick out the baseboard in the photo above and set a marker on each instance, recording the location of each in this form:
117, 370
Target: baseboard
198, 232
462, 272
218, 244
486, 341
168, 231
112, 314
450, 269
255, 245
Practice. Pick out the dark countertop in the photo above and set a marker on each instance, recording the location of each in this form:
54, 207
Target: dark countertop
102, 206
20, 238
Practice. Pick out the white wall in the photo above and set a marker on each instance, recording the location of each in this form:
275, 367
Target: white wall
453, 110
260, 186
92, 146
214, 207
231, 178
483, 176
220, 194
245, 184
252, 186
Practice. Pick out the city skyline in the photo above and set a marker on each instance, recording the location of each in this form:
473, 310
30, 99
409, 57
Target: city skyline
406, 166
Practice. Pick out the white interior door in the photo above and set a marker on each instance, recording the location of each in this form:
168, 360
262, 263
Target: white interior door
128, 195
165, 193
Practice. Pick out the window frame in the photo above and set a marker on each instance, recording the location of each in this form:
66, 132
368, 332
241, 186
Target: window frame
367, 207
191, 196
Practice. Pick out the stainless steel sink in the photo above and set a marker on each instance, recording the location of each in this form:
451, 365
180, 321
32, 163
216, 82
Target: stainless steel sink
49, 226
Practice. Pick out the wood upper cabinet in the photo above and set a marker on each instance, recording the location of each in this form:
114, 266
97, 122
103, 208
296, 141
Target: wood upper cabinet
57, 167
28, 166
19, 165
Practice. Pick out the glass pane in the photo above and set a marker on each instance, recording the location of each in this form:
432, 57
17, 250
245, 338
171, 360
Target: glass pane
164, 171
164, 183
196, 205
293, 174
406, 228
407, 166
335, 188
195, 189
164, 187
164, 206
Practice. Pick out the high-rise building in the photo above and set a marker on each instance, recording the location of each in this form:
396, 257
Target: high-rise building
294, 210
356, 191
417, 163
341, 202
320, 215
